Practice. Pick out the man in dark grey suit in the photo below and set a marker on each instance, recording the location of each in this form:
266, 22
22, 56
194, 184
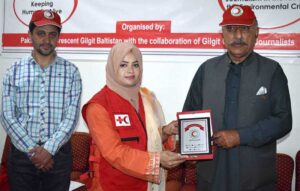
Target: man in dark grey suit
249, 98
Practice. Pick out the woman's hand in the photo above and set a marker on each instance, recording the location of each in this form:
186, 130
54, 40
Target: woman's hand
170, 159
170, 129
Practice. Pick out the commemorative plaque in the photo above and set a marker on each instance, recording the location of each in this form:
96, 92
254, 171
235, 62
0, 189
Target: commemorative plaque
195, 131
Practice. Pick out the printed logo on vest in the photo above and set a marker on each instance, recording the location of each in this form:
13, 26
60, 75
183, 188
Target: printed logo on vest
122, 120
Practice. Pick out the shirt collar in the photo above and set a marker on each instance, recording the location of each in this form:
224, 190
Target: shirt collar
246, 62
32, 60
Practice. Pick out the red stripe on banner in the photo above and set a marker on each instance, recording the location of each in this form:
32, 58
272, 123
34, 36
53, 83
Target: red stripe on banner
274, 41
16, 40
142, 40
268, 41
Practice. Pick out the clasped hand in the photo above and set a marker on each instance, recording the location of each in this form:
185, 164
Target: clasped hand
41, 158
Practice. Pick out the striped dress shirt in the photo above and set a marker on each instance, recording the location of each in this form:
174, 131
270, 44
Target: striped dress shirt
41, 105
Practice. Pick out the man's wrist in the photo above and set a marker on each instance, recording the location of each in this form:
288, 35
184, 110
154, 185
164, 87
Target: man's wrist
30, 154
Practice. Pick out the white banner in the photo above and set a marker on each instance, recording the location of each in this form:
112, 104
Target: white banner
171, 25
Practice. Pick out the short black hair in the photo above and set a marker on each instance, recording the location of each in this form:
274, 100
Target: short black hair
32, 26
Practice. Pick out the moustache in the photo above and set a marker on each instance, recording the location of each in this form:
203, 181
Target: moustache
238, 42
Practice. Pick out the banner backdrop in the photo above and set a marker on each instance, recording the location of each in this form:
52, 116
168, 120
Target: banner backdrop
171, 25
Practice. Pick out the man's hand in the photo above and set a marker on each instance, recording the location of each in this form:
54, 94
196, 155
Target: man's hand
227, 138
41, 158
48, 166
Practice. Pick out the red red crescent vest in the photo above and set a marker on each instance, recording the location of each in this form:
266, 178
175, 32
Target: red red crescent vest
131, 128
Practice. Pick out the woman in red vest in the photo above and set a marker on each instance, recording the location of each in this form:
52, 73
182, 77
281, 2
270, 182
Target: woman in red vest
127, 125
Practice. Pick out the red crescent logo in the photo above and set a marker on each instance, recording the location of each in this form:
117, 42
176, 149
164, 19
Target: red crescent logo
238, 11
125, 119
194, 133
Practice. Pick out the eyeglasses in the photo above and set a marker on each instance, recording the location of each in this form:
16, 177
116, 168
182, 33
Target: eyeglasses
242, 28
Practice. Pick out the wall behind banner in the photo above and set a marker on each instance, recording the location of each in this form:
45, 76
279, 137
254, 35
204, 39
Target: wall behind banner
169, 76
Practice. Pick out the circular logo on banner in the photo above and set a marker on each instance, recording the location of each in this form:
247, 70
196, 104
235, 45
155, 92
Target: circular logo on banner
24, 9
265, 11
